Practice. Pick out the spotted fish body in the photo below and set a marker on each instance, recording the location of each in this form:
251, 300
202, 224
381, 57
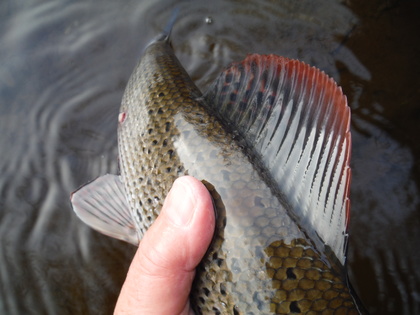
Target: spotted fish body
270, 140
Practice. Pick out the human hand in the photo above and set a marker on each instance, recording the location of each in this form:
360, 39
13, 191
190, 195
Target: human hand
160, 276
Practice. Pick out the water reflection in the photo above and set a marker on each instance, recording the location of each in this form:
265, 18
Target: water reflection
385, 219
385, 197
63, 69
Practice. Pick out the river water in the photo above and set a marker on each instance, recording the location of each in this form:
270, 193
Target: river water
63, 70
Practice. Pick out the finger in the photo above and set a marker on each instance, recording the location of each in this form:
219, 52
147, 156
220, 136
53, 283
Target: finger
160, 276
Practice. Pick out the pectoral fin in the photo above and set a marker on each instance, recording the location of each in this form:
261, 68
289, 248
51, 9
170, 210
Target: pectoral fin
102, 204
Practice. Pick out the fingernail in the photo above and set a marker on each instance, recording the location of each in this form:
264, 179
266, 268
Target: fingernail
180, 203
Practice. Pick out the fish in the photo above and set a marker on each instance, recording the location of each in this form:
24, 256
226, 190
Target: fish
271, 140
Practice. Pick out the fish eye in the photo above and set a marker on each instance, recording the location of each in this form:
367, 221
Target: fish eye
121, 117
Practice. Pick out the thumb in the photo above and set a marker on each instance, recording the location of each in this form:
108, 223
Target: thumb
160, 276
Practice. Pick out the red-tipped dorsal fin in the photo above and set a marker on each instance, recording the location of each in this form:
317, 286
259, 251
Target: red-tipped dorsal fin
296, 120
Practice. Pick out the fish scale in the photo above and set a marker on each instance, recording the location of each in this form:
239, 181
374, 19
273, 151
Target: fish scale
261, 260
245, 255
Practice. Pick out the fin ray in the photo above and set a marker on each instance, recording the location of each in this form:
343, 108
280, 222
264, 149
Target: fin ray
102, 204
296, 121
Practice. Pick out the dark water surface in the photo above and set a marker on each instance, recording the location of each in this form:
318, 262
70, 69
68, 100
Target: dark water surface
63, 69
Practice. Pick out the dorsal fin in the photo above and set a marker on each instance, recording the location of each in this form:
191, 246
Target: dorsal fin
296, 120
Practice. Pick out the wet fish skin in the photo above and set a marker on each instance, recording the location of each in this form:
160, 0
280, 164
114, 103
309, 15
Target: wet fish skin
271, 141
260, 261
